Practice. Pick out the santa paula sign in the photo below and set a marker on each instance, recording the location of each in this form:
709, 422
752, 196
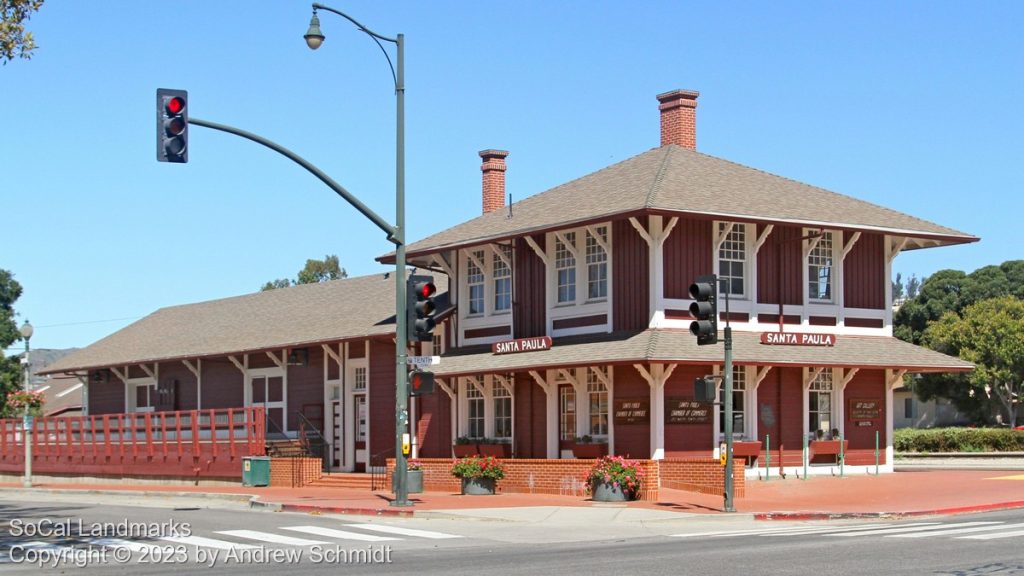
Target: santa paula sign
797, 339
522, 345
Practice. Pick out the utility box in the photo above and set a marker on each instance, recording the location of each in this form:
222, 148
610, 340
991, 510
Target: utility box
255, 471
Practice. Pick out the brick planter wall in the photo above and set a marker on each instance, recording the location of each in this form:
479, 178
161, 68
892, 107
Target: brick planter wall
294, 472
701, 475
529, 476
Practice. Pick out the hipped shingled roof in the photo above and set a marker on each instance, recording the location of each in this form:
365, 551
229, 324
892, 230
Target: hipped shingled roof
673, 346
672, 179
351, 308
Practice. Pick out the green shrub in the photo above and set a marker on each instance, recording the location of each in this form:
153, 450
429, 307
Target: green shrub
958, 440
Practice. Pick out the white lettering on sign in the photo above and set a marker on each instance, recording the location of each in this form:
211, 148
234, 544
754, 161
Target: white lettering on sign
797, 339
522, 345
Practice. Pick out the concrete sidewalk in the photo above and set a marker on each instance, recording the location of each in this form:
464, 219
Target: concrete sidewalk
925, 492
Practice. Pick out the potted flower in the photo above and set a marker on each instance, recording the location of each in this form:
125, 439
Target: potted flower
413, 477
587, 446
25, 402
464, 446
614, 479
479, 474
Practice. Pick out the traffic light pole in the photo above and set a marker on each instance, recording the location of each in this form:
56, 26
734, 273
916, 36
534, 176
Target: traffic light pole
727, 391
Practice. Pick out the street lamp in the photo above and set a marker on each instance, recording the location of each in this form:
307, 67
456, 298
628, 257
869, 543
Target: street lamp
26, 333
314, 38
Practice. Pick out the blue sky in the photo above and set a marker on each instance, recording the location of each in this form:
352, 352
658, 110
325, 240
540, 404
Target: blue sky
912, 105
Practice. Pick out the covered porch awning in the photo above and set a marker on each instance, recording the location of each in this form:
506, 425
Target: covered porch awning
670, 346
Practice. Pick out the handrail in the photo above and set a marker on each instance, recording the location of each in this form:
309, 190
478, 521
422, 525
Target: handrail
378, 465
308, 433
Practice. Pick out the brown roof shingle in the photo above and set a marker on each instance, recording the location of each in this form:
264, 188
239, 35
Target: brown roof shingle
676, 179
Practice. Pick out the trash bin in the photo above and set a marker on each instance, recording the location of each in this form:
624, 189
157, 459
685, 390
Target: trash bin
255, 471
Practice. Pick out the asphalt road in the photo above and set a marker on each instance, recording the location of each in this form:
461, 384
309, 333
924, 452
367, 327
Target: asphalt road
185, 537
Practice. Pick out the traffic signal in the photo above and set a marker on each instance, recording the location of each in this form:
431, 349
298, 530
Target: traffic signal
421, 383
420, 308
704, 309
704, 390
171, 125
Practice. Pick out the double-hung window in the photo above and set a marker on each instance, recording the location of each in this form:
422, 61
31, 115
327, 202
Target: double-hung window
597, 263
598, 393
819, 402
566, 412
502, 401
475, 411
732, 259
565, 268
739, 393
475, 282
502, 275
820, 269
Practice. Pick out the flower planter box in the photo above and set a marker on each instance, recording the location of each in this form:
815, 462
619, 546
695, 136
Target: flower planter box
589, 450
478, 486
826, 448
413, 482
608, 492
496, 450
463, 450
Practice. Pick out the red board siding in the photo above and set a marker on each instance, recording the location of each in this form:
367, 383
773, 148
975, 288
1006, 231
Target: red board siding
864, 273
630, 278
864, 322
782, 248
866, 385
631, 440
381, 399
106, 396
529, 286
530, 418
488, 332
306, 390
175, 376
780, 407
688, 254
687, 440
222, 384
433, 426
579, 322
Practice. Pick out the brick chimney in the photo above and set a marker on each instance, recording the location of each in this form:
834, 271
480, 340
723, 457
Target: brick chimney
493, 169
679, 118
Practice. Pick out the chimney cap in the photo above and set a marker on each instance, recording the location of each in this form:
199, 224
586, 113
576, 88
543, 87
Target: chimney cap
678, 96
492, 153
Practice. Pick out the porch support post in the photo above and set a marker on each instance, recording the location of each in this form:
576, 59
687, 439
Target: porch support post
196, 371
848, 374
551, 392
656, 379
893, 378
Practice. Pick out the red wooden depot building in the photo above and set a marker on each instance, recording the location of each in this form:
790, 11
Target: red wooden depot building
567, 318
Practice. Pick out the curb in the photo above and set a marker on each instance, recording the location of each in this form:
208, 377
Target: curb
875, 515
313, 508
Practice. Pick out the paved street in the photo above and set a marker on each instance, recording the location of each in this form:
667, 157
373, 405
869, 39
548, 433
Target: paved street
188, 537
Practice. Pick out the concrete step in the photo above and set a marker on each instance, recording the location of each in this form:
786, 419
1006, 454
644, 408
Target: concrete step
352, 481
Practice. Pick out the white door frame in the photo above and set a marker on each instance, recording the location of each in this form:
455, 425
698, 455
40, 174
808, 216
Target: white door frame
267, 374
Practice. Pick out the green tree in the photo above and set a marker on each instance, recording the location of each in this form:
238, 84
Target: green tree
989, 333
15, 41
314, 271
10, 368
897, 287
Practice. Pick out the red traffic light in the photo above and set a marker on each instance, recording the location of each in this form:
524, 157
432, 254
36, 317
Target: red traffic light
425, 289
175, 105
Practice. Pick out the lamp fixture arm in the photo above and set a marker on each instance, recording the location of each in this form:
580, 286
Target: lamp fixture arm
376, 38
381, 223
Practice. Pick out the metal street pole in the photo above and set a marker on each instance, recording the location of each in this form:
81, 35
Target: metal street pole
313, 38
727, 391
26, 425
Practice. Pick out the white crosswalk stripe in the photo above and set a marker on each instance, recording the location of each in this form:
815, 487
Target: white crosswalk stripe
776, 530
404, 531
340, 534
271, 538
953, 531
922, 527
208, 542
827, 530
1012, 534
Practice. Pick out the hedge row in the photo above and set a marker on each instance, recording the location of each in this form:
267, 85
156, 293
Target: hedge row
958, 440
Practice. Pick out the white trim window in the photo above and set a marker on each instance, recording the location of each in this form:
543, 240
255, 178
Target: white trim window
566, 412
475, 419
359, 378
732, 259
140, 395
598, 396
501, 399
475, 282
501, 272
821, 270
820, 416
565, 268
597, 263
739, 405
